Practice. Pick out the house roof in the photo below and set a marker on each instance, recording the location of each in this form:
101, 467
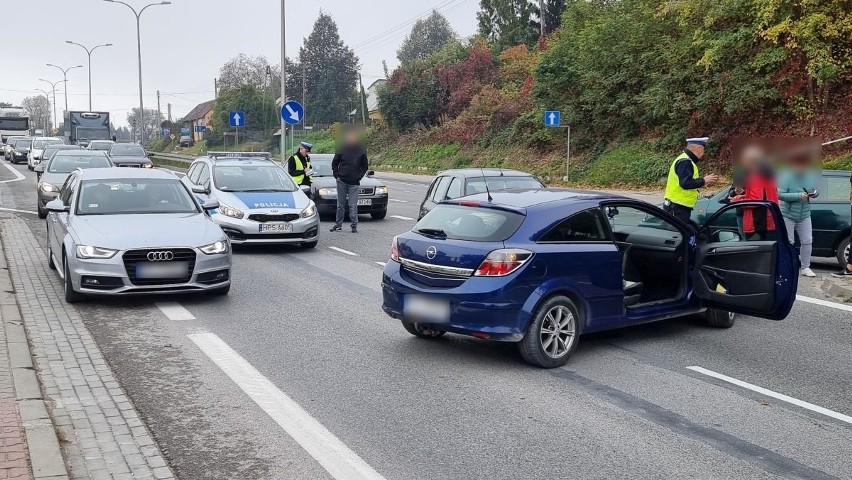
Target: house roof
200, 111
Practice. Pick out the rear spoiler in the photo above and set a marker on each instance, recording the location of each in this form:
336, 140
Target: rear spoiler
478, 204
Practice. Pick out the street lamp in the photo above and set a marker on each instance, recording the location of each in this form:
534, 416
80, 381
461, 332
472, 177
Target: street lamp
53, 88
89, 53
139, 53
65, 79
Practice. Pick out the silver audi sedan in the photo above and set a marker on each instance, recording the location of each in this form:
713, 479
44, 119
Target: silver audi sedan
116, 231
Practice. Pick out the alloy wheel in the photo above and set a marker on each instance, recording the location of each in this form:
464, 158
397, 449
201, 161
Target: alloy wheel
558, 331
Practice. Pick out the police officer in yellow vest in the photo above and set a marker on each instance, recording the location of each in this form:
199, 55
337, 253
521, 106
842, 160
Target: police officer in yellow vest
299, 165
683, 181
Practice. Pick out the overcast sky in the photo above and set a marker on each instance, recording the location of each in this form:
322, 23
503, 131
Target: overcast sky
185, 43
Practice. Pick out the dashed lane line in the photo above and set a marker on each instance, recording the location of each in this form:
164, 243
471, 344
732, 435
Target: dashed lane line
381, 263
776, 395
334, 456
17, 211
18, 175
174, 311
824, 303
346, 252
397, 200
400, 217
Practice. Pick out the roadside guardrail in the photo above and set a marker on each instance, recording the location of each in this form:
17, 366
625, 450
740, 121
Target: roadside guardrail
174, 157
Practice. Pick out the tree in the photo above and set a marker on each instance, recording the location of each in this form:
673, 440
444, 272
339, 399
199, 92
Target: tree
152, 122
244, 70
427, 35
553, 10
5, 104
506, 23
331, 72
38, 108
258, 107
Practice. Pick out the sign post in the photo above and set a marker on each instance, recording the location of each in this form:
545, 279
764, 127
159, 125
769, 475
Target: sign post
236, 119
292, 113
553, 119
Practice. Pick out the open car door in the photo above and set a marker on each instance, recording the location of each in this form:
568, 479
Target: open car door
751, 269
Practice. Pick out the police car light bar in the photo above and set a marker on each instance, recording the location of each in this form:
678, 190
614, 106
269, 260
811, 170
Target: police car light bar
264, 155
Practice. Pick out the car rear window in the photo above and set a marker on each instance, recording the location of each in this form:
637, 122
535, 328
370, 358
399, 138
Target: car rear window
469, 223
496, 184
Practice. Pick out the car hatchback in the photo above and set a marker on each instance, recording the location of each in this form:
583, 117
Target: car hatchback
541, 267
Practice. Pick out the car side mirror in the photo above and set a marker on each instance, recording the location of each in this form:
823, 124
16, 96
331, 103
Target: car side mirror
57, 206
306, 190
200, 189
370, 173
726, 236
211, 204
39, 168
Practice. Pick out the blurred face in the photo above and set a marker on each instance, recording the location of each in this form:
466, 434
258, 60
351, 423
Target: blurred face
352, 137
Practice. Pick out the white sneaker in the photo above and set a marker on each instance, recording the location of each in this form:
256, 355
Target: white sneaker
808, 273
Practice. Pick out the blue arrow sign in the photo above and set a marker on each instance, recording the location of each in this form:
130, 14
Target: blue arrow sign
237, 118
166, 132
552, 118
292, 112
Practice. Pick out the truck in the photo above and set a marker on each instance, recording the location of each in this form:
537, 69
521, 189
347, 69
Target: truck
14, 121
82, 127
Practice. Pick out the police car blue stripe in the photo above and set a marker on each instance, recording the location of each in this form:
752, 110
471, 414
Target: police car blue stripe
266, 199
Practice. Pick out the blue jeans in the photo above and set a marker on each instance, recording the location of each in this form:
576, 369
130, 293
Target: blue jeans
347, 193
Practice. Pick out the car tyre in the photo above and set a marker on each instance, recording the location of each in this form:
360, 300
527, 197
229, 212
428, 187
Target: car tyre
71, 296
422, 332
843, 253
720, 318
379, 215
310, 245
221, 291
50, 263
553, 333
42, 213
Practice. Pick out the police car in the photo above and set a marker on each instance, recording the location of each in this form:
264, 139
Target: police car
258, 201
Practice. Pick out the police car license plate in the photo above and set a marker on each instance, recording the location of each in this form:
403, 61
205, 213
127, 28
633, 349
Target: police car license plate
366, 202
275, 228
426, 308
150, 270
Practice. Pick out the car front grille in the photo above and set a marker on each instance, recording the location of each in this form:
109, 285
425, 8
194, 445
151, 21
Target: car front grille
132, 257
261, 218
366, 191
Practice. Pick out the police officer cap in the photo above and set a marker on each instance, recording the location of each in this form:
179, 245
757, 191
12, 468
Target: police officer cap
697, 141
307, 146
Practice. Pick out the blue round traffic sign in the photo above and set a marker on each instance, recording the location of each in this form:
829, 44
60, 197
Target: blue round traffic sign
292, 112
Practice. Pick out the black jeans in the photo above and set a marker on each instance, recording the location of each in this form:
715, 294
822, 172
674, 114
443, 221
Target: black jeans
679, 211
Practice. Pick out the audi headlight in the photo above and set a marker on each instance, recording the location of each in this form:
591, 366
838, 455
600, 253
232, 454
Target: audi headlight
310, 211
87, 251
381, 190
215, 248
49, 188
230, 211
327, 192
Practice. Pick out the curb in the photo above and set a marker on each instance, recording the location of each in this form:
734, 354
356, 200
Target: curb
45, 454
838, 288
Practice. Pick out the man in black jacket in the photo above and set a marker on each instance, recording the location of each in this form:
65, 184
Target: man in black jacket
349, 167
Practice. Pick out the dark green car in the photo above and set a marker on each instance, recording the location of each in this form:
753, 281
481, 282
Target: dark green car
830, 214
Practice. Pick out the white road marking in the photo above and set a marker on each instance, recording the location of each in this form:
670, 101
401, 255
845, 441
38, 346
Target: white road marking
347, 252
770, 393
397, 200
18, 175
337, 459
16, 210
174, 311
400, 217
824, 303
381, 263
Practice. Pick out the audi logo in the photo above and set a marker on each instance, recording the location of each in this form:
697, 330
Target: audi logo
160, 256
431, 253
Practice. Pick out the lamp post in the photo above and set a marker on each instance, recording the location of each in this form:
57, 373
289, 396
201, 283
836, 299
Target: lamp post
89, 53
283, 144
139, 54
65, 79
53, 89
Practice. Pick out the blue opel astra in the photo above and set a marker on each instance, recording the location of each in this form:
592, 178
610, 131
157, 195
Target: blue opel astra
541, 267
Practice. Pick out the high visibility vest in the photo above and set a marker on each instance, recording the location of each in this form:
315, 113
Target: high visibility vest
677, 194
301, 166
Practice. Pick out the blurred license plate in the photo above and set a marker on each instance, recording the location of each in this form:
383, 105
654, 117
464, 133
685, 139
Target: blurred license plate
275, 227
161, 270
365, 202
421, 307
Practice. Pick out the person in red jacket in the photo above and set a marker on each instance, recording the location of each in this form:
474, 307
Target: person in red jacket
759, 184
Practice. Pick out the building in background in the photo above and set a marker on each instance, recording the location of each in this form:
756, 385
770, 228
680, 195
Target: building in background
200, 115
373, 100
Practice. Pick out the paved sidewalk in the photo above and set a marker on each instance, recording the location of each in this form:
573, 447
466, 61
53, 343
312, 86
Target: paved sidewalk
102, 434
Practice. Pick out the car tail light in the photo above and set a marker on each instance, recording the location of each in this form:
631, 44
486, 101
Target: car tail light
500, 263
468, 203
395, 249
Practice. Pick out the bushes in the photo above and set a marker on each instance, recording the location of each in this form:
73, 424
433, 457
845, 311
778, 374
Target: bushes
631, 166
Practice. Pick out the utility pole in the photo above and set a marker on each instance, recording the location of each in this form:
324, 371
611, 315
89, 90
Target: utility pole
304, 96
169, 106
215, 88
542, 18
363, 100
283, 81
159, 115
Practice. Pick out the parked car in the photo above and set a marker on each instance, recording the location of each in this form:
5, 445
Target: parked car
372, 194
125, 231
9, 147
129, 155
61, 164
185, 141
104, 145
259, 202
451, 184
830, 214
37, 149
541, 267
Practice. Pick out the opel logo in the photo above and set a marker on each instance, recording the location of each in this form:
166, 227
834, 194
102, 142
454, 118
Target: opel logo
431, 253
160, 256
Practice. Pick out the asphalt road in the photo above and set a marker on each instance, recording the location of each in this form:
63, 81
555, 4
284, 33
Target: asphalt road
298, 374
